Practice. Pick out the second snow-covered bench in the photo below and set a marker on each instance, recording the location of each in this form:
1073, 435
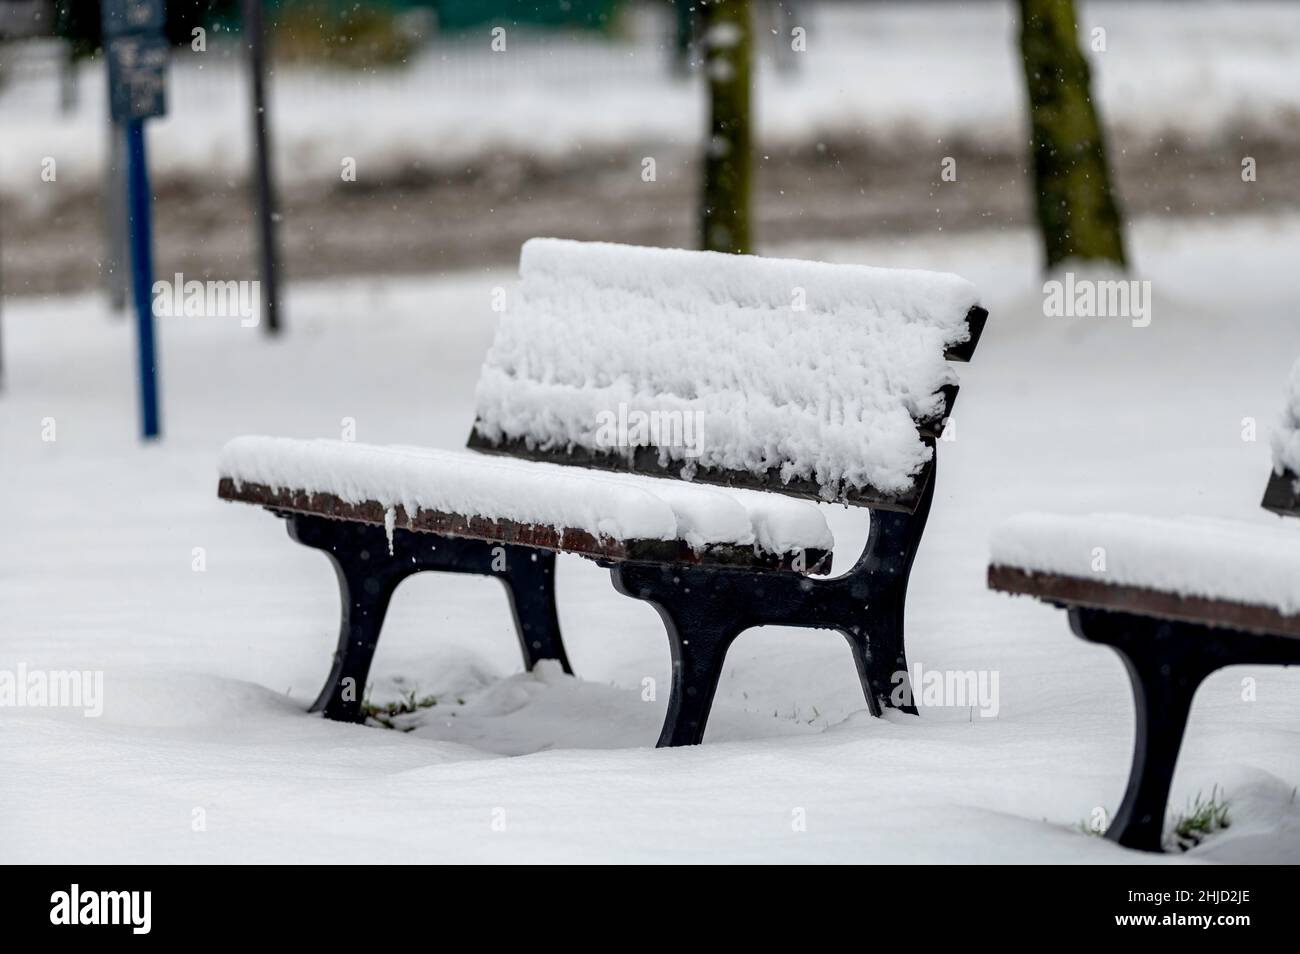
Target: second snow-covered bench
661, 412
1177, 598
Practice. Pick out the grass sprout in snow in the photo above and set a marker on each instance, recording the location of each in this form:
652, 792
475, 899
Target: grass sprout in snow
1203, 817
407, 704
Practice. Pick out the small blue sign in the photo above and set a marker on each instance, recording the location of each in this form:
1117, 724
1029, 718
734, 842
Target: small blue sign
133, 16
137, 53
137, 68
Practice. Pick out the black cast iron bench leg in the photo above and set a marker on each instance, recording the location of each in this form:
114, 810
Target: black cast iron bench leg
368, 574
1166, 661
529, 579
702, 617
1165, 668
869, 602
367, 577
704, 609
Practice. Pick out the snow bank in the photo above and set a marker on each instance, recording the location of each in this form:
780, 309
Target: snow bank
1255, 564
609, 506
819, 370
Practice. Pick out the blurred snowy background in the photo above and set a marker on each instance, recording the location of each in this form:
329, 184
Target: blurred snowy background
462, 153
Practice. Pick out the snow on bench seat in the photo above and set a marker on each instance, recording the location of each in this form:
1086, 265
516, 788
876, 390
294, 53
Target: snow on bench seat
797, 373
1216, 572
619, 516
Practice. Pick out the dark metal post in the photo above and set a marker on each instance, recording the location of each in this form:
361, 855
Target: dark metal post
117, 278
137, 54
142, 274
255, 35
68, 79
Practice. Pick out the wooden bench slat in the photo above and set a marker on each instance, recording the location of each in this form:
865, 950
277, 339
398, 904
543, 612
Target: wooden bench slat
645, 461
566, 540
1142, 601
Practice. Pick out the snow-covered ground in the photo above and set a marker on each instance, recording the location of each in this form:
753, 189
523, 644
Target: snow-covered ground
895, 74
207, 674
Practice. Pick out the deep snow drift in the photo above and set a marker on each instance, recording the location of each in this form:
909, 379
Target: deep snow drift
213, 630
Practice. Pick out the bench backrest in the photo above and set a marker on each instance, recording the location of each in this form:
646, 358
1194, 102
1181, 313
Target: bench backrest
826, 381
1282, 495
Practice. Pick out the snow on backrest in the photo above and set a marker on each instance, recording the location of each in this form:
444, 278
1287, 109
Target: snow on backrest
1286, 435
724, 362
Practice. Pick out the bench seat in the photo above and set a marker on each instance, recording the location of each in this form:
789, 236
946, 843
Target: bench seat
609, 516
1238, 575
1178, 600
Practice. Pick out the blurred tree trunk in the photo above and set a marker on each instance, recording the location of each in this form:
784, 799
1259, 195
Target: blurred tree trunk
1077, 211
728, 47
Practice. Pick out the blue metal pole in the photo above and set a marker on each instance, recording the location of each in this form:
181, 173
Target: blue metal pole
137, 201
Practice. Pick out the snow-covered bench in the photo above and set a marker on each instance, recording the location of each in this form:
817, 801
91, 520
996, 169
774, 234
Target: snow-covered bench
1177, 599
662, 412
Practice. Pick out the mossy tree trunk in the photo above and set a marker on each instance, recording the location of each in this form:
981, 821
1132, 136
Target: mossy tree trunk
728, 155
1077, 210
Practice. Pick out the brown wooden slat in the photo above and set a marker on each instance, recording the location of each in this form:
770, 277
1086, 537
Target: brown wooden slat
975, 320
531, 535
1141, 601
645, 461
1280, 495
